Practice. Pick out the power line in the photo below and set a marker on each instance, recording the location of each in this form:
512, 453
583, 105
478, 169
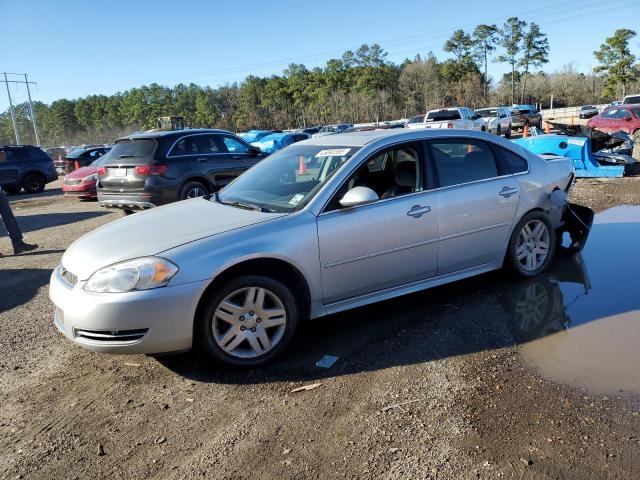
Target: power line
31, 111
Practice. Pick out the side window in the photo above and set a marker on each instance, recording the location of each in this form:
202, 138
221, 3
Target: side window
185, 146
21, 154
210, 144
234, 146
515, 162
463, 161
390, 173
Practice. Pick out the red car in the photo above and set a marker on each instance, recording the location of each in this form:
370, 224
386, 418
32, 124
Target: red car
620, 117
81, 183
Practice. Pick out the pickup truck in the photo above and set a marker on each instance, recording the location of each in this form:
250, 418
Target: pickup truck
522, 115
461, 118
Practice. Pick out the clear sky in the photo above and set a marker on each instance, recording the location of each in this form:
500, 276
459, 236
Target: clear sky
76, 48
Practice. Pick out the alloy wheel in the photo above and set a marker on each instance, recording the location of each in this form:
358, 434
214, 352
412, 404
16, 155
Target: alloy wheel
249, 322
532, 248
196, 192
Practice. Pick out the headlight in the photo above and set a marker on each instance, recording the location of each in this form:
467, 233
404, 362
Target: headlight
91, 178
138, 274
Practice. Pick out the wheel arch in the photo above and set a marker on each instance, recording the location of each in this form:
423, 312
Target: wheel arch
198, 178
272, 267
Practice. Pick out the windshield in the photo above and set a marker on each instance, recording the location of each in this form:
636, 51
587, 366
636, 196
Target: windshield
443, 115
487, 112
329, 128
287, 179
127, 148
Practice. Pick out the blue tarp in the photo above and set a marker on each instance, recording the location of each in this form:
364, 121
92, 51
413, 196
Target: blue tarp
254, 135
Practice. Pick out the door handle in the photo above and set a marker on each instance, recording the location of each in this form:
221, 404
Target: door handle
506, 192
236, 157
418, 210
200, 160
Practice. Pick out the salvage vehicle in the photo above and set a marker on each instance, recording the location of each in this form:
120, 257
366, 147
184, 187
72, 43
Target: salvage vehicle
497, 120
460, 118
332, 129
322, 226
78, 158
624, 118
82, 182
525, 115
148, 169
25, 167
587, 111
277, 141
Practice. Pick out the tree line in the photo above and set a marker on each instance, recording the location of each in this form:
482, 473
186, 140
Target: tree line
360, 86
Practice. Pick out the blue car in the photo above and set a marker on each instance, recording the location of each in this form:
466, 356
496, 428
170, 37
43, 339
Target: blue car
277, 141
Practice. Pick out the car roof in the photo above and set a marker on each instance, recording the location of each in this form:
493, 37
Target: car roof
169, 133
360, 139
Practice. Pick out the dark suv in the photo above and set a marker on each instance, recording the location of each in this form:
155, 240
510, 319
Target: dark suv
148, 169
25, 166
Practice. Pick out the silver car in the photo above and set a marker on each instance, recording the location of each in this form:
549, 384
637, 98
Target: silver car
322, 226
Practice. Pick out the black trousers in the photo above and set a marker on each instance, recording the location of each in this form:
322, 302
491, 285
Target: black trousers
8, 219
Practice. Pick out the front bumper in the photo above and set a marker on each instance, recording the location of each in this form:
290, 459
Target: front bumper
143, 322
81, 190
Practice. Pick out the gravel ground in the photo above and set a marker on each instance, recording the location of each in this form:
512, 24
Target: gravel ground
422, 389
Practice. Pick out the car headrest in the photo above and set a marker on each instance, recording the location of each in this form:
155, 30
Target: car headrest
405, 174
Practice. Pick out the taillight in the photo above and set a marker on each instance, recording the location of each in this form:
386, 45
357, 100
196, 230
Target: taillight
102, 170
151, 169
449, 125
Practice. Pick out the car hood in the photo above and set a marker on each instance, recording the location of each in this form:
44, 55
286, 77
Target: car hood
154, 231
82, 172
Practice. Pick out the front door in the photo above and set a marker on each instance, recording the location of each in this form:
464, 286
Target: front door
478, 203
384, 244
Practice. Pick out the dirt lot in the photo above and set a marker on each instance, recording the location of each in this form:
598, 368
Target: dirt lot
432, 385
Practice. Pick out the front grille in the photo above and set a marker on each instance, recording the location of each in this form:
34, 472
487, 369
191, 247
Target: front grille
67, 277
110, 336
73, 181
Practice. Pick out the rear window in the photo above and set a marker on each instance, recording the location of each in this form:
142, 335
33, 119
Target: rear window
633, 99
443, 116
127, 148
487, 112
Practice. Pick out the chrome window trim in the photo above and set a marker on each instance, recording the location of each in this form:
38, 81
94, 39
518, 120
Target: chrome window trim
169, 154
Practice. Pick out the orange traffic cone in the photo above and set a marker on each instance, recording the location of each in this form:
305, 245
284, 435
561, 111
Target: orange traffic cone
547, 128
302, 170
525, 131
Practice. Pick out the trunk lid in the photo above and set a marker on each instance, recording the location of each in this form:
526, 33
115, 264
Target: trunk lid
120, 164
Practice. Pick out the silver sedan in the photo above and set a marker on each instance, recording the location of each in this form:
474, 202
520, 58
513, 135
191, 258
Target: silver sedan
322, 226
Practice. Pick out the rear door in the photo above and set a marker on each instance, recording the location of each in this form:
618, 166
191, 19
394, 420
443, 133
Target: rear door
478, 198
8, 167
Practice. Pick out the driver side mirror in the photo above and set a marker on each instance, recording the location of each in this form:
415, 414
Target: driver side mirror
359, 196
254, 150
475, 116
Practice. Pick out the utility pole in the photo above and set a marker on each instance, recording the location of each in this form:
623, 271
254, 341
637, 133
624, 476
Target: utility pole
33, 112
13, 115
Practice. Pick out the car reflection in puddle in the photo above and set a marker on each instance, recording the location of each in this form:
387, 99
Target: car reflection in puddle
579, 323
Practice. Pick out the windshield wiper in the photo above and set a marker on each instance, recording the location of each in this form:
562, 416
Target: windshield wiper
246, 206
126, 155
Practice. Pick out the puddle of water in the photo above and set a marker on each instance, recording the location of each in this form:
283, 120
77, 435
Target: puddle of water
579, 324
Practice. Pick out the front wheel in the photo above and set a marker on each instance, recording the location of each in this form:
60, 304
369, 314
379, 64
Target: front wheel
532, 245
498, 131
33, 183
248, 321
508, 132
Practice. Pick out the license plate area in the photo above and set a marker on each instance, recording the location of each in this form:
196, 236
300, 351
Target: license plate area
119, 172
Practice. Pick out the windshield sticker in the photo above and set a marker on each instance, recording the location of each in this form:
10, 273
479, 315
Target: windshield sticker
333, 152
296, 199
576, 141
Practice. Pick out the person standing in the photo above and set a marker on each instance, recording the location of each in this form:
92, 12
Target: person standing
9, 220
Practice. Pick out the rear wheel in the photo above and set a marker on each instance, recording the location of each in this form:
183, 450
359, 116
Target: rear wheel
532, 245
33, 183
193, 190
127, 212
498, 131
248, 321
507, 134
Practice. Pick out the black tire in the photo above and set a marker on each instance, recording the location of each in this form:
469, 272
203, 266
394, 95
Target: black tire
192, 190
204, 329
128, 212
498, 131
507, 134
33, 183
511, 259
